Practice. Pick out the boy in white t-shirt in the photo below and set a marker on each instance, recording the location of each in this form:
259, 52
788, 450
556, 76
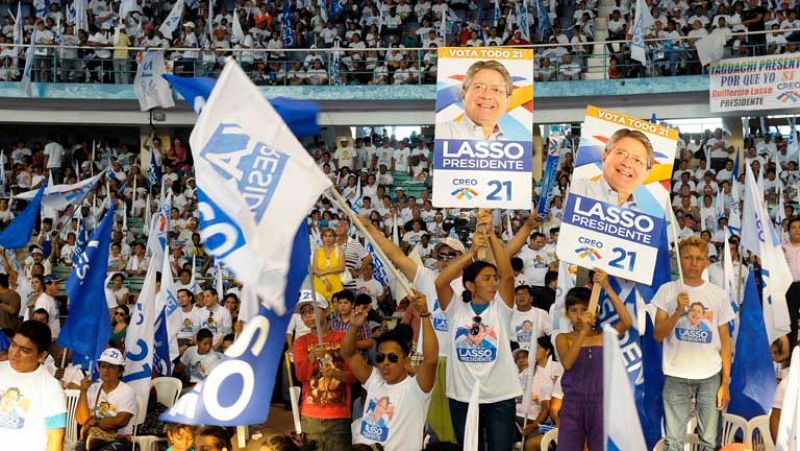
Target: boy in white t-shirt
692, 321
199, 359
526, 318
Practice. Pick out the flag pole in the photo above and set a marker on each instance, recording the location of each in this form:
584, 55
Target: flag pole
674, 228
336, 197
314, 302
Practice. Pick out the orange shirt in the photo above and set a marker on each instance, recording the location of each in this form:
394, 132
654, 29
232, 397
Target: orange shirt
324, 398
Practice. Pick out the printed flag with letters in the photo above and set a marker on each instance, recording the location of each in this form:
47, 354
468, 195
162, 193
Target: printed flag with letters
255, 184
622, 429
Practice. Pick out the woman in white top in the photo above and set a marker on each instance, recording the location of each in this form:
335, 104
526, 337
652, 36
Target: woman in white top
480, 349
397, 402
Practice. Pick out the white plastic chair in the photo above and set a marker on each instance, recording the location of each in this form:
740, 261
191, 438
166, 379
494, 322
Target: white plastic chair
731, 424
758, 436
134, 438
550, 437
71, 434
167, 389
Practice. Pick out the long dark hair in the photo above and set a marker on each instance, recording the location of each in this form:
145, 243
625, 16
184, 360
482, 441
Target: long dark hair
470, 274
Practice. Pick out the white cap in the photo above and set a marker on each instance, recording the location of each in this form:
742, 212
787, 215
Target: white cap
305, 298
112, 356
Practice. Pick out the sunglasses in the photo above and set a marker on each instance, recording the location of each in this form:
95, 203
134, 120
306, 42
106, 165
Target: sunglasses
476, 326
119, 313
393, 358
443, 255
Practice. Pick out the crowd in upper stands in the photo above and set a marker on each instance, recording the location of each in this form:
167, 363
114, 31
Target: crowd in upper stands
575, 31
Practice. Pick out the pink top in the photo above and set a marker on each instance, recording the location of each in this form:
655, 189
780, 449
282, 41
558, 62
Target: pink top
793, 259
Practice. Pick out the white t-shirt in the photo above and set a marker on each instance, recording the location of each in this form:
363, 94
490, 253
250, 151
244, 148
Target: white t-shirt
541, 391
121, 399
187, 323
199, 365
30, 405
691, 350
484, 357
55, 153
535, 264
297, 327
370, 287
394, 415
780, 393
524, 323
217, 321
47, 302
425, 282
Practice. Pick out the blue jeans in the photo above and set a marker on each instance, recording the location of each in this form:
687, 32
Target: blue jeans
496, 424
677, 395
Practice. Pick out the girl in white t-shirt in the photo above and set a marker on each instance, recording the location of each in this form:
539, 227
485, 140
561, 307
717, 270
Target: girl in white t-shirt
541, 391
480, 344
397, 403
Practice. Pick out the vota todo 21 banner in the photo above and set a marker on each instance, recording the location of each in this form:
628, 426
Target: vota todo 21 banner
615, 210
484, 117
756, 83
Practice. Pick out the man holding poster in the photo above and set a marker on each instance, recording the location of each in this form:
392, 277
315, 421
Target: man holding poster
615, 211
483, 152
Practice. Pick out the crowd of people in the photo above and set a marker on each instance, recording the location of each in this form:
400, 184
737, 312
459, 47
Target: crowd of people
262, 36
400, 362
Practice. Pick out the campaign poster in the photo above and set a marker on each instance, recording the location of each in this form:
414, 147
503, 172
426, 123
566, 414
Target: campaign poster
615, 210
483, 151
755, 83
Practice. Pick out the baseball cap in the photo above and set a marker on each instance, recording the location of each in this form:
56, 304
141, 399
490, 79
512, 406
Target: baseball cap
51, 278
112, 356
37, 250
305, 298
452, 243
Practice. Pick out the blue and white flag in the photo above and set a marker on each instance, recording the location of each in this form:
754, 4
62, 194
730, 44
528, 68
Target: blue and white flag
323, 11
255, 184
730, 283
497, 12
80, 240
19, 32
337, 7
151, 90
622, 430
752, 372
735, 209
550, 171
139, 340
759, 237
542, 16
524, 26
88, 327
159, 230
81, 8
167, 323
60, 197
382, 16
238, 390
792, 149
17, 234
299, 115
287, 32
336, 76
153, 171
380, 271
125, 8
41, 8
643, 20
169, 25
27, 73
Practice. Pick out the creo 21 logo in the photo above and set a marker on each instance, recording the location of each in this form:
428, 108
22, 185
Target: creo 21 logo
789, 96
588, 252
464, 192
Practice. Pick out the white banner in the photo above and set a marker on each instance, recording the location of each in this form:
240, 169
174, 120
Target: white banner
756, 83
484, 118
149, 86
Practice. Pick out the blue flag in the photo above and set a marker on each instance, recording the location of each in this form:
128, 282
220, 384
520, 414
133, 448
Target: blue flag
545, 27
5, 343
18, 233
752, 373
735, 171
299, 115
88, 327
239, 388
153, 172
337, 7
550, 171
287, 32
651, 409
80, 241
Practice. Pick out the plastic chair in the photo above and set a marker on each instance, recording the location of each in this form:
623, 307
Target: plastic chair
139, 407
758, 436
71, 434
167, 389
731, 424
692, 443
551, 437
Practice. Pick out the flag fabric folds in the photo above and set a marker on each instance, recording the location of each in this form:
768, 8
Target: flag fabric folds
524, 26
752, 373
238, 390
17, 234
759, 237
27, 73
622, 429
59, 197
255, 184
643, 20
159, 228
153, 171
287, 32
167, 322
788, 438
542, 16
150, 88
88, 327
299, 115
169, 25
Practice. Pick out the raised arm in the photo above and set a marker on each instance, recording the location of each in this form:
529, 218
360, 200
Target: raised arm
450, 273
426, 373
395, 255
504, 270
361, 369
521, 237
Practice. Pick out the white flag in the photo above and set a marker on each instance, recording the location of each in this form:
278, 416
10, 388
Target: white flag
139, 340
730, 282
622, 429
172, 20
238, 33
59, 197
759, 237
643, 20
27, 73
255, 184
711, 48
81, 15
167, 300
472, 427
789, 426
150, 87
